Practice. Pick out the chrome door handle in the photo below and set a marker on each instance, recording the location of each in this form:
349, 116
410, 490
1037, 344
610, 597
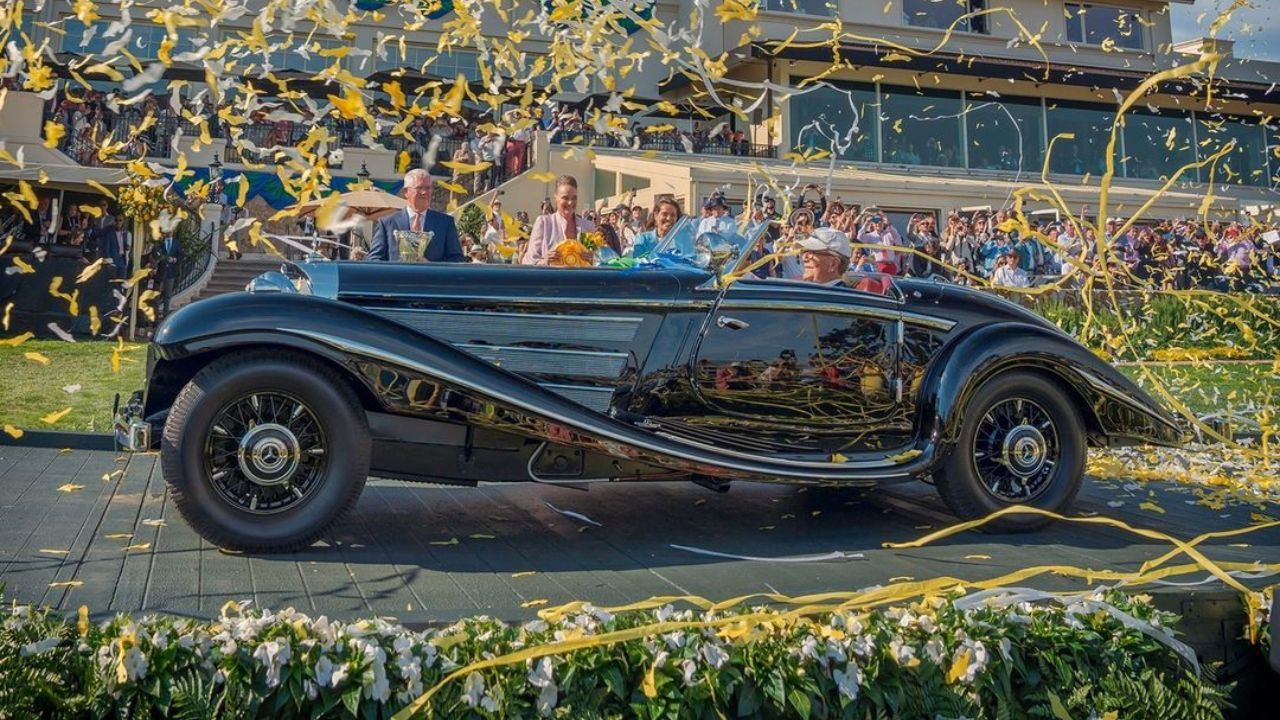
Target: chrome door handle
724, 321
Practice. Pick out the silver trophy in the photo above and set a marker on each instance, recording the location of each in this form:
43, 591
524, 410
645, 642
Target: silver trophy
413, 245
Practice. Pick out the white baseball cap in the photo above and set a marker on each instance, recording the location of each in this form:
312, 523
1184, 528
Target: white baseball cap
827, 240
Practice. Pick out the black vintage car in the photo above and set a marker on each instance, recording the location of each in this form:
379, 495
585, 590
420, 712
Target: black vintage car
271, 407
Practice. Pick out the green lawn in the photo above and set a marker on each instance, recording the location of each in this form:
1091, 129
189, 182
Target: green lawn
31, 390
1214, 386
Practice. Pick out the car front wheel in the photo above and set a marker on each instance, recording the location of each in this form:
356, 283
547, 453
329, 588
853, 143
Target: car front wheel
1022, 443
263, 452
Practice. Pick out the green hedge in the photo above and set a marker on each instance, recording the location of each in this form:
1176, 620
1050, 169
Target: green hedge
1105, 656
1245, 323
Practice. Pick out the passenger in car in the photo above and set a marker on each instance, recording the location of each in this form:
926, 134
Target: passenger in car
825, 256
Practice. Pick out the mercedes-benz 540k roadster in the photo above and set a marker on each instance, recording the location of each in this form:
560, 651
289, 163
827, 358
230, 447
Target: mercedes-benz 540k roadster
271, 407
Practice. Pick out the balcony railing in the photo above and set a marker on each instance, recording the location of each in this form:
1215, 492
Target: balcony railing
664, 142
275, 140
110, 130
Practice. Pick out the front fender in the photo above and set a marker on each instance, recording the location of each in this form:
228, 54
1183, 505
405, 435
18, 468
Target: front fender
1115, 410
421, 375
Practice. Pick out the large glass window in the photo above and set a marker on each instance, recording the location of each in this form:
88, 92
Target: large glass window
415, 56
144, 43
445, 65
945, 13
286, 56
837, 117
1091, 125
1092, 24
1159, 144
803, 7
1273, 153
457, 61
1246, 164
921, 127
1005, 134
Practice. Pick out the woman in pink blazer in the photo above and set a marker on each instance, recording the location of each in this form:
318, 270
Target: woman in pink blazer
563, 224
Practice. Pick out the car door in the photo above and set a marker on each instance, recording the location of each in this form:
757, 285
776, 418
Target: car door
810, 366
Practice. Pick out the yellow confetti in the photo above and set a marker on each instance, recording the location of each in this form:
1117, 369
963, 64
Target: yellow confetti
546, 177
138, 546
1151, 507
450, 541
66, 584
649, 685
977, 557
53, 418
533, 603
526, 573
959, 666
53, 133
37, 357
13, 432
70, 488
118, 536
51, 551
16, 340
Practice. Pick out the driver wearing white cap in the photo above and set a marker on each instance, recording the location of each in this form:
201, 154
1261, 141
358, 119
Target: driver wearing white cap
825, 256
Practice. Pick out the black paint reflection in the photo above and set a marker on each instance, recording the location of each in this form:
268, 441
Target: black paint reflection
830, 376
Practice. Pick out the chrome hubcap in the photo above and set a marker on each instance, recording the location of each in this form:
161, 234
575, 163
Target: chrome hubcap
269, 454
1016, 450
265, 452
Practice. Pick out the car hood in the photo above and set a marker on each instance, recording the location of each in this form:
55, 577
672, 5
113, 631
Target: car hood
369, 280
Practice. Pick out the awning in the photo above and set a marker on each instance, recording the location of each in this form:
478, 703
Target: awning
60, 171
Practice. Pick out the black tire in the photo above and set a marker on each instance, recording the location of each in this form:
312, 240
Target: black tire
330, 454
974, 484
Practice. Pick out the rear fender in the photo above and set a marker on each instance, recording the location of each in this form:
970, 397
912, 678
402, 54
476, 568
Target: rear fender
1115, 410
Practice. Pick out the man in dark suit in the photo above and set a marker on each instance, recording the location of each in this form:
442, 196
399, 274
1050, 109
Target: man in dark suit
168, 254
419, 217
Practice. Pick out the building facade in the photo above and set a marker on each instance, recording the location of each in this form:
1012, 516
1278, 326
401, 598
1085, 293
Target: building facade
910, 106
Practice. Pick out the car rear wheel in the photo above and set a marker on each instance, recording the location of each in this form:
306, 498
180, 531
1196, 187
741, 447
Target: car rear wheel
1022, 443
264, 451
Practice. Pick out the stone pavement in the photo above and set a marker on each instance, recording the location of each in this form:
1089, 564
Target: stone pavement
429, 554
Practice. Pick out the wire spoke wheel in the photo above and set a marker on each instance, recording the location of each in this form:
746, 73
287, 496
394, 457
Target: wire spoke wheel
1016, 450
265, 452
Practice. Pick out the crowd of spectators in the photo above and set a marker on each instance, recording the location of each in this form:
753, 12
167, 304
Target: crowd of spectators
566, 126
984, 247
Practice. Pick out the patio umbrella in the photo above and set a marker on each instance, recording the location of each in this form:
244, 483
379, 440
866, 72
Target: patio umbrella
372, 204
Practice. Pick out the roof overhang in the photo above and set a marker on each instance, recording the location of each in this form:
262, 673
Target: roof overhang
861, 56
57, 169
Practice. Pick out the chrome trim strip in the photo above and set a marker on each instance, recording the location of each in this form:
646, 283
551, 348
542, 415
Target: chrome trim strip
550, 351
801, 466
1119, 396
880, 313
808, 288
522, 300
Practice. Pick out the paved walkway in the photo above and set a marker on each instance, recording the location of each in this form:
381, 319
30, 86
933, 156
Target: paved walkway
70, 536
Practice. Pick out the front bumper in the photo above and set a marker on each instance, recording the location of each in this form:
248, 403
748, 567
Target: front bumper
133, 434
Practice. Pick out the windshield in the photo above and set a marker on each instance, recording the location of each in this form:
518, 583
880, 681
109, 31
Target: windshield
724, 250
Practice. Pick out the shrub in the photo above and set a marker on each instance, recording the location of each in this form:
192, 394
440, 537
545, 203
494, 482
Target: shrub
987, 655
1172, 326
